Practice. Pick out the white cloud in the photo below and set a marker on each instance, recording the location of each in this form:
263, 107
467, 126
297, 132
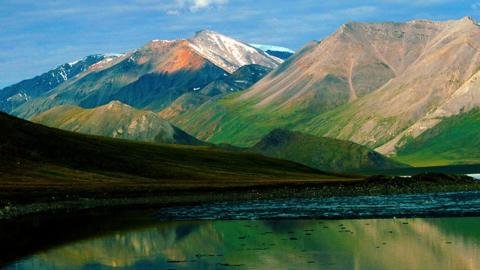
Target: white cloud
195, 5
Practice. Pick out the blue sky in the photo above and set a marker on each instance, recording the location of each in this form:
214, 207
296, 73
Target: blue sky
36, 36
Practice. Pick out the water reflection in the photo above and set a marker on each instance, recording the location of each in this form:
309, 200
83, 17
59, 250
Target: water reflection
449, 243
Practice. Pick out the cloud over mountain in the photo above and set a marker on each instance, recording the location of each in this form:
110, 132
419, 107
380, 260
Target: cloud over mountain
195, 5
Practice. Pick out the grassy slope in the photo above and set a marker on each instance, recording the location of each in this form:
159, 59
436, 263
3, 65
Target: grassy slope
322, 153
41, 160
453, 141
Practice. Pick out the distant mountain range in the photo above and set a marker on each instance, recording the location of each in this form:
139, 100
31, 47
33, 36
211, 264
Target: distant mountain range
405, 90
153, 76
19, 93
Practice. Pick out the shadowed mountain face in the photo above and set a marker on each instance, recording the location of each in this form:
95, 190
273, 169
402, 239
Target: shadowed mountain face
116, 120
373, 84
154, 75
322, 153
19, 93
241, 79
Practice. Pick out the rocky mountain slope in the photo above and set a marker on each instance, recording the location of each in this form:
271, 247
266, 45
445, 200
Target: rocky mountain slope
116, 120
438, 83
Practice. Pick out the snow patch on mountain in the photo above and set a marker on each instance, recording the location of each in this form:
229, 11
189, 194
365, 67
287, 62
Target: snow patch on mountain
228, 53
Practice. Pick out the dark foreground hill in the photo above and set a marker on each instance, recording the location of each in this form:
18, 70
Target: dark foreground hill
38, 161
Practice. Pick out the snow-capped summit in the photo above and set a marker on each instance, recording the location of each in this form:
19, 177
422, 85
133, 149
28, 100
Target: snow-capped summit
228, 53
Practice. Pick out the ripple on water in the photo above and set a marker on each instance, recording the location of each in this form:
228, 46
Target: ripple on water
434, 204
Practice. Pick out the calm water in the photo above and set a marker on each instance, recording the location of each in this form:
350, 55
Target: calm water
443, 243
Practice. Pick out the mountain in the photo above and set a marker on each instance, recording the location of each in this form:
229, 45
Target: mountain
322, 153
436, 84
116, 120
19, 93
455, 140
241, 79
375, 84
41, 162
277, 51
153, 76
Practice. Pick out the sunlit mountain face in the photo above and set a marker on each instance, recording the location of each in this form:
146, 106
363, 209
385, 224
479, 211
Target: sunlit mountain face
313, 244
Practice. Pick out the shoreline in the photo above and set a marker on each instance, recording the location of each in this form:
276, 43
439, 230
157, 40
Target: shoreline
374, 186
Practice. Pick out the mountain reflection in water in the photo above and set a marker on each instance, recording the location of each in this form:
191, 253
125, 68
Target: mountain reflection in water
443, 243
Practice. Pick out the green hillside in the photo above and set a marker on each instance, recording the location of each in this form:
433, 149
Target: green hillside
322, 153
455, 140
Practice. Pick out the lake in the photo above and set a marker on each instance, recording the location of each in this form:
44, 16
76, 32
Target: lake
294, 233
441, 243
